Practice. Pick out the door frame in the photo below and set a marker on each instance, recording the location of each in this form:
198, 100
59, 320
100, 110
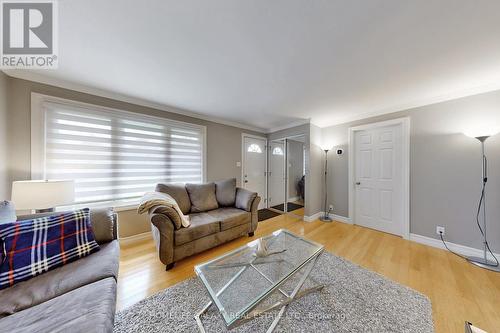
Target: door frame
405, 127
242, 178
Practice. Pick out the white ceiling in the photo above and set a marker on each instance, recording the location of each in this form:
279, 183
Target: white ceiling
271, 63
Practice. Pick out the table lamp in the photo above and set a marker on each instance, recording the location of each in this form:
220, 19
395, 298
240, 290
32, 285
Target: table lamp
42, 195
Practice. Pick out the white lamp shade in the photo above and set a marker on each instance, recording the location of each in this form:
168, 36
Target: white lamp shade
476, 132
326, 146
42, 194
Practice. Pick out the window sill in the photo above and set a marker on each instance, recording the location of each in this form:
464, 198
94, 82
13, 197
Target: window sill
117, 206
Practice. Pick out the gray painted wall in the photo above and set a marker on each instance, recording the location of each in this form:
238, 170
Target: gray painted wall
4, 177
315, 188
295, 166
445, 166
223, 142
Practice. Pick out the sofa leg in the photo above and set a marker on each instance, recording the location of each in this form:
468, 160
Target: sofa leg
250, 234
169, 266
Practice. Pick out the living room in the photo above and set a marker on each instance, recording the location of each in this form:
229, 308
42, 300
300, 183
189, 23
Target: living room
244, 166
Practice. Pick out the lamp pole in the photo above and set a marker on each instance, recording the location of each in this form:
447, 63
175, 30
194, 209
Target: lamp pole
484, 262
326, 217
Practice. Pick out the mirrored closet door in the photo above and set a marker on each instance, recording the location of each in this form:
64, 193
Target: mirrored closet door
295, 174
277, 175
286, 178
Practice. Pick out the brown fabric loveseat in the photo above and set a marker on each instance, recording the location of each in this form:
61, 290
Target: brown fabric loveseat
218, 212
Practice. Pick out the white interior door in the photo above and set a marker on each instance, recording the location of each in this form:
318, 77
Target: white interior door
379, 179
276, 192
254, 167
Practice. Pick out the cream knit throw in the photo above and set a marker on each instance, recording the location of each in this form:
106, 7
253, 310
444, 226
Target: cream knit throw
153, 199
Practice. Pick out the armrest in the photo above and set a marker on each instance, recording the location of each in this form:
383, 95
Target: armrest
163, 234
105, 224
255, 213
244, 199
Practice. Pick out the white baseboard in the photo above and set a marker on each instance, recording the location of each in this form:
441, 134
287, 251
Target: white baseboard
460, 249
291, 199
339, 218
136, 238
312, 217
334, 217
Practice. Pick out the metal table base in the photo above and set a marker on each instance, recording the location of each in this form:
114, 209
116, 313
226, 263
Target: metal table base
283, 304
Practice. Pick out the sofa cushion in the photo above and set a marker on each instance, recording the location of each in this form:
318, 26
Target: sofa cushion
95, 267
202, 197
231, 217
244, 199
90, 308
179, 193
36, 246
202, 225
225, 191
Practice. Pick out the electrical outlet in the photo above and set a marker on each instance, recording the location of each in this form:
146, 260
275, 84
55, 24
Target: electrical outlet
440, 230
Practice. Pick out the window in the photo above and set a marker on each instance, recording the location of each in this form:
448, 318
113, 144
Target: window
277, 151
115, 155
254, 148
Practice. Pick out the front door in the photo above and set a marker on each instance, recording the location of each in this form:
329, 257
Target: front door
254, 166
379, 179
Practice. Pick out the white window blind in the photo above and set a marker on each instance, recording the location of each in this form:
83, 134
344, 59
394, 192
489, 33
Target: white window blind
117, 156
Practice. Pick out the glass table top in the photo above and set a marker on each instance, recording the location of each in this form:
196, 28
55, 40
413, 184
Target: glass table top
239, 280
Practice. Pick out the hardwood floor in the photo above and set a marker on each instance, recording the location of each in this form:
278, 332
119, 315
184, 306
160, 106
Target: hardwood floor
458, 291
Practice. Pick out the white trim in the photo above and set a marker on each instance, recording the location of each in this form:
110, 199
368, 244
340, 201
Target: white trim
40, 78
335, 218
37, 137
246, 135
290, 125
36, 77
339, 218
460, 249
116, 205
405, 126
313, 217
295, 198
412, 105
38, 132
136, 238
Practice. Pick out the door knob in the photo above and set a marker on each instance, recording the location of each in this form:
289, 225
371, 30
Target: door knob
246, 181
358, 183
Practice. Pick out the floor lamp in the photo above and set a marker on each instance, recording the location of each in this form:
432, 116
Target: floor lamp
326, 217
483, 262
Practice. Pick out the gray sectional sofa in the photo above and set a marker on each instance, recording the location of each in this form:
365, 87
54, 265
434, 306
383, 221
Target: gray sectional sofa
77, 297
218, 212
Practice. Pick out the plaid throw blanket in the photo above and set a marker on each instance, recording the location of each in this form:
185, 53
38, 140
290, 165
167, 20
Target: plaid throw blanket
33, 247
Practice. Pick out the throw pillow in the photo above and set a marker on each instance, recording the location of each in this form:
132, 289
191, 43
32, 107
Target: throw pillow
202, 197
33, 247
2, 251
7, 212
179, 193
225, 191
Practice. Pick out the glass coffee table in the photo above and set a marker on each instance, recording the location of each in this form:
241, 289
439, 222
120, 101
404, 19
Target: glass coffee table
245, 283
